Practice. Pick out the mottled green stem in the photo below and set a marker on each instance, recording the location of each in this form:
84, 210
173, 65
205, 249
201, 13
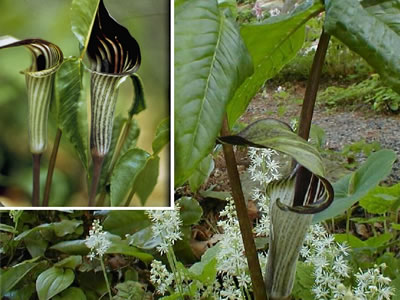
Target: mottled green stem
36, 179
50, 171
243, 217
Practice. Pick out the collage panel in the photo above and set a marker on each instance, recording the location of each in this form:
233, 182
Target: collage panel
272, 172
86, 103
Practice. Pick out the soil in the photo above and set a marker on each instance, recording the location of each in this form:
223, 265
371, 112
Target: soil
342, 126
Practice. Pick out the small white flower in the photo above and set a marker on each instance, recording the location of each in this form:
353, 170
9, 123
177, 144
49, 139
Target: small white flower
160, 277
166, 224
97, 241
274, 12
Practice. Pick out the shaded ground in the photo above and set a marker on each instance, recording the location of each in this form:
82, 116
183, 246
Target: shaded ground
342, 126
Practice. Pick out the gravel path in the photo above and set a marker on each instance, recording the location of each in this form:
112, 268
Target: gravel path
341, 127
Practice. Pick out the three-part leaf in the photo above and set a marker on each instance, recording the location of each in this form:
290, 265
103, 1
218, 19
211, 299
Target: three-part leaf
211, 61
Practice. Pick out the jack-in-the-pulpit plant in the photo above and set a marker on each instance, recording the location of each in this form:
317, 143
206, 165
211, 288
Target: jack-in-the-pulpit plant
46, 59
114, 54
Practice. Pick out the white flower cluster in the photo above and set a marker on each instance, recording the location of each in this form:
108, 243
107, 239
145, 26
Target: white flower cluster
331, 269
371, 284
232, 262
97, 241
160, 277
166, 224
275, 12
264, 167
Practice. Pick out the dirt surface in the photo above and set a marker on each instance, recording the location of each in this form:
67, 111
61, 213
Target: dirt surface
342, 125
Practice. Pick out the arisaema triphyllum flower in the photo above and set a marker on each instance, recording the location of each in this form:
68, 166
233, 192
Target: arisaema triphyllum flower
46, 59
114, 55
291, 206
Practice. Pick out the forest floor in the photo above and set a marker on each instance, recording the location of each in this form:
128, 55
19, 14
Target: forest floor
342, 125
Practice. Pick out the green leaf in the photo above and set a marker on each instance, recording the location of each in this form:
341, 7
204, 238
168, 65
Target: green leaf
271, 133
162, 136
230, 4
395, 226
145, 239
202, 173
7, 228
272, 44
71, 293
351, 240
83, 13
206, 270
129, 290
75, 247
60, 229
190, 211
304, 281
351, 188
371, 33
12, 276
70, 106
147, 179
211, 61
381, 199
70, 262
139, 103
36, 244
53, 281
379, 241
125, 173
123, 248
125, 222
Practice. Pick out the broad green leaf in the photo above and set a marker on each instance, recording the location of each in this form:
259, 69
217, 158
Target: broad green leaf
372, 34
202, 172
24, 293
351, 240
36, 244
70, 262
125, 173
70, 106
83, 13
132, 136
75, 247
7, 228
381, 199
145, 239
123, 248
211, 61
379, 241
129, 290
71, 293
60, 229
271, 44
162, 136
351, 188
124, 222
271, 133
206, 269
13, 275
53, 281
304, 281
147, 179
190, 211
139, 102
395, 226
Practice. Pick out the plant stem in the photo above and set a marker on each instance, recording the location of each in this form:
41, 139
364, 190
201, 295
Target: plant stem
50, 170
36, 179
307, 110
105, 277
97, 164
243, 217
120, 143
